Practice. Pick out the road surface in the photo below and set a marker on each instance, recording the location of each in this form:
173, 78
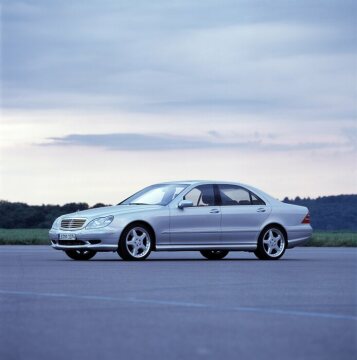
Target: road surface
178, 306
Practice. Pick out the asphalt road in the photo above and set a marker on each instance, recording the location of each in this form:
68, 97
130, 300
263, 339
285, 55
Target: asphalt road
178, 306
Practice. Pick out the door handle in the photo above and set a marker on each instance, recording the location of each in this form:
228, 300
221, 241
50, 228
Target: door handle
214, 211
261, 210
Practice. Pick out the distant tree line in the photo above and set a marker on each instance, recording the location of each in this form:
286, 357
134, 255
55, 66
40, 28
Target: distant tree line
16, 215
337, 212
327, 212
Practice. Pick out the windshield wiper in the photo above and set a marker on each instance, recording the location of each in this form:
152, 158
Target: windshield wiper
134, 203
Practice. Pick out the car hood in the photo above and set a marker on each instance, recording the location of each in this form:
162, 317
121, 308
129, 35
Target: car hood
112, 210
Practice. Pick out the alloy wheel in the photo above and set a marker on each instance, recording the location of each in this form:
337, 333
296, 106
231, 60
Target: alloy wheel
138, 242
273, 242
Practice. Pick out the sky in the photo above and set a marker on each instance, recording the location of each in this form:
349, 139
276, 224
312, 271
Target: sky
102, 98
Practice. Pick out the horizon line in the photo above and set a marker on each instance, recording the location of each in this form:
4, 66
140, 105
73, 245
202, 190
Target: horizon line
84, 202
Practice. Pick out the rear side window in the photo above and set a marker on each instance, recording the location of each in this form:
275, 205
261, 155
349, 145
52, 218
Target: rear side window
236, 195
256, 200
202, 195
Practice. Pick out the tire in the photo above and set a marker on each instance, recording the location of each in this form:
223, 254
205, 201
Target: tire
80, 254
135, 242
214, 254
271, 244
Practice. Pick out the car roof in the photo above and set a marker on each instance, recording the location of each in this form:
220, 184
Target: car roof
196, 182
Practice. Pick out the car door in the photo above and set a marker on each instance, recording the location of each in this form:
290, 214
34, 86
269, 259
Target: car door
243, 214
199, 224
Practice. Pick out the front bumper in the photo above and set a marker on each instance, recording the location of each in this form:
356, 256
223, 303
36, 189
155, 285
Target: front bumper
105, 239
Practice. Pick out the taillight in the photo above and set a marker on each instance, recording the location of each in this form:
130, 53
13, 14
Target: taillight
306, 219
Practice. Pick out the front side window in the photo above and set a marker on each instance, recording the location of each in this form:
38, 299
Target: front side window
161, 194
202, 195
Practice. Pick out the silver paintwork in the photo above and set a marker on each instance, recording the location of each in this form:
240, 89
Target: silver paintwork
234, 227
184, 204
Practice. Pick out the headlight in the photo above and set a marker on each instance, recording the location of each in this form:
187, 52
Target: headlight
100, 222
56, 224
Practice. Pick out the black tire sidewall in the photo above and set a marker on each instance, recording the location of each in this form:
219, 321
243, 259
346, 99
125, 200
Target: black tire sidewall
122, 248
81, 257
212, 256
260, 251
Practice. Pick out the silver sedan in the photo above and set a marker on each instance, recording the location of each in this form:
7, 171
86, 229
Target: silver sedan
212, 217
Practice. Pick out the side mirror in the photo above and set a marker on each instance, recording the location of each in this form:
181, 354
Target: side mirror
184, 204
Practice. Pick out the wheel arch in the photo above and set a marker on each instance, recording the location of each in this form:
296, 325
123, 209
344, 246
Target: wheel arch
279, 226
142, 223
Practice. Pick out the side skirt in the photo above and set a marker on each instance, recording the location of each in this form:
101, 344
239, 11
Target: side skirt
230, 247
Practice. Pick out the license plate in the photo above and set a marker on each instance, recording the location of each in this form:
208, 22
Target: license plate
67, 236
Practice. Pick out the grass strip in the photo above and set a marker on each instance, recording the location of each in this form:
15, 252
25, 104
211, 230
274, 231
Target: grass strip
24, 237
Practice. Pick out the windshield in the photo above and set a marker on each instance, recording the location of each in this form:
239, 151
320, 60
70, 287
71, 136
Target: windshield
161, 194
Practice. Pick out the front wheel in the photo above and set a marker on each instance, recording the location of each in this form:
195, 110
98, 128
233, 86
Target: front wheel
80, 254
135, 243
214, 254
271, 244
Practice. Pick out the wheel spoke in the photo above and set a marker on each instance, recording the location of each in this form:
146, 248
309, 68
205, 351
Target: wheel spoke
138, 242
273, 242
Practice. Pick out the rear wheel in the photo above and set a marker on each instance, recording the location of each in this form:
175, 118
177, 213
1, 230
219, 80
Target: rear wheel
271, 244
214, 254
80, 254
135, 243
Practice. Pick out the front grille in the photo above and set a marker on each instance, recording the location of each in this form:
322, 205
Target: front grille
75, 223
71, 242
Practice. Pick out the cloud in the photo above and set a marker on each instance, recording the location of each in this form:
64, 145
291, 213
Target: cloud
243, 85
157, 142
351, 136
140, 142
227, 56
